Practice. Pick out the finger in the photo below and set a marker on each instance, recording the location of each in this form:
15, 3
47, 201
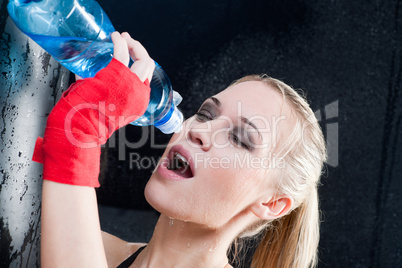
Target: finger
77, 77
137, 51
143, 65
120, 50
144, 69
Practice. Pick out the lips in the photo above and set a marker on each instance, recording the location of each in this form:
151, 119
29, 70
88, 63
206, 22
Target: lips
177, 174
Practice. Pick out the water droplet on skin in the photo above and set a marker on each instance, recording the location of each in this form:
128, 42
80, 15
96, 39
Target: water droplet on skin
211, 250
188, 244
171, 222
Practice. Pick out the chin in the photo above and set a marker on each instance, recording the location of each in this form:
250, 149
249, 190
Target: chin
168, 202
151, 196
159, 198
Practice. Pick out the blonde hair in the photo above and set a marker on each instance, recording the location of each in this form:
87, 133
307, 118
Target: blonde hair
292, 240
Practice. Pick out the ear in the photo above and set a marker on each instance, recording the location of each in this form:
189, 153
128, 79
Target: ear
275, 208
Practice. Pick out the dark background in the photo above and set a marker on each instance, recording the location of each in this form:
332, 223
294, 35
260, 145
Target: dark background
344, 52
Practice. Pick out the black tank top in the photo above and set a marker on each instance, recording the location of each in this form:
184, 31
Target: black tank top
131, 259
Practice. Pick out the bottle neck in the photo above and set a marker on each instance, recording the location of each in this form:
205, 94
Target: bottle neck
171, 122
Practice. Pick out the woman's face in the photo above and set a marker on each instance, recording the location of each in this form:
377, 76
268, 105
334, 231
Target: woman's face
228, 144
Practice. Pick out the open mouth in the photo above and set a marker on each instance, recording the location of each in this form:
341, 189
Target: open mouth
180, 162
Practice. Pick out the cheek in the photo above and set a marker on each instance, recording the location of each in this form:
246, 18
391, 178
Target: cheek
176, 138
230, 190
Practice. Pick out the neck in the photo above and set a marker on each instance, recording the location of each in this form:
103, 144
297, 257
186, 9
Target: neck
177, 243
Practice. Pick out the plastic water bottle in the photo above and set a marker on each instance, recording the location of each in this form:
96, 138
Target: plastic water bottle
77, 34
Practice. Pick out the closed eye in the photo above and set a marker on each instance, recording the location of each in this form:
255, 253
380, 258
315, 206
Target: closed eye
204, 115
238, 140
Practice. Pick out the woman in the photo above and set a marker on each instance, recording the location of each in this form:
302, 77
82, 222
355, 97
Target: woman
248, 162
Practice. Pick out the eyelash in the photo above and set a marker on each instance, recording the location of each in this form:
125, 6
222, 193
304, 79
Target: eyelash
231, 134
204, 116
236, 139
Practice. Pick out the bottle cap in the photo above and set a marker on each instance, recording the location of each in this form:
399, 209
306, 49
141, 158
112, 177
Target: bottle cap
172, 121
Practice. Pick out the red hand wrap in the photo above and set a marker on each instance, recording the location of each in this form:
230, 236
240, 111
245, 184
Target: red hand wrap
84, 118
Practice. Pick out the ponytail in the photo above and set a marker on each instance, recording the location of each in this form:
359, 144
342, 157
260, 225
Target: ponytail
292, 240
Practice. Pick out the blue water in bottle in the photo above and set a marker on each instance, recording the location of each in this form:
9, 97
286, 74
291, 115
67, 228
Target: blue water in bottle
77, 34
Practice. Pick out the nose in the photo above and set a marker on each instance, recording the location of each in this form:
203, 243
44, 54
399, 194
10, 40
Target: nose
207, 134
200, 135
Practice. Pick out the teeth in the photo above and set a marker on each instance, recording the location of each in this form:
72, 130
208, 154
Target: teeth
181, 158
178, 162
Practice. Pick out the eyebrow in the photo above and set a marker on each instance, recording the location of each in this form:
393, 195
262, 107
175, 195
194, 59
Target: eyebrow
243, 119
216, 101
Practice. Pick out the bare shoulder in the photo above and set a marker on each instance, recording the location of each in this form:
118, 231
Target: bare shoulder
117, 250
